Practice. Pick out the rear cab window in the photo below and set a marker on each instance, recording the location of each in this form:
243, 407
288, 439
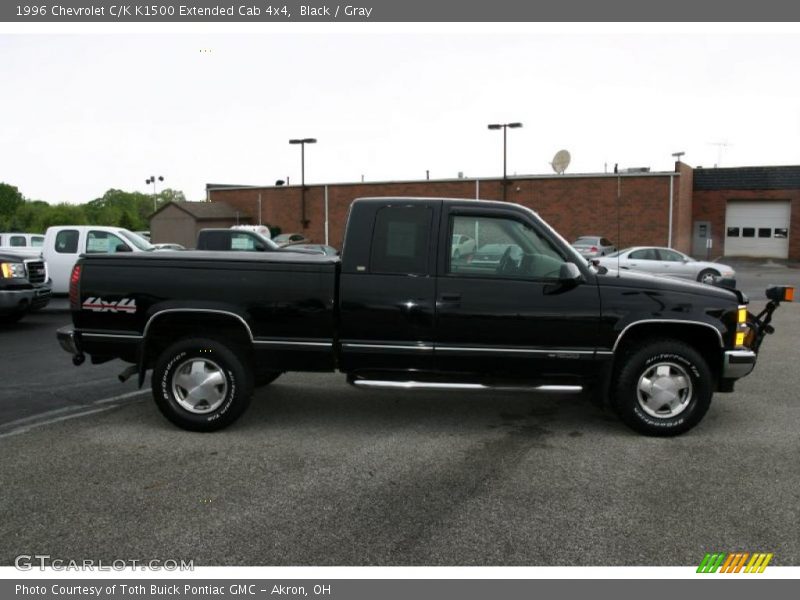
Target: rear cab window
401, 240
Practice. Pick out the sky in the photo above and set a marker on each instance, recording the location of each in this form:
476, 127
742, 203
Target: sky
83, 113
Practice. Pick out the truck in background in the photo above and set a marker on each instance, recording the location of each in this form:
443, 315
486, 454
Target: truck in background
63, 244
26, 245
23, 286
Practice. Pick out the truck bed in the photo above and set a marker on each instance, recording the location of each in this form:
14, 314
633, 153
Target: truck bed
285, 303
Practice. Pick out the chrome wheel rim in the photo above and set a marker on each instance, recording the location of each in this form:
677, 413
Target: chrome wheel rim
664, 390
199, 385
708, 278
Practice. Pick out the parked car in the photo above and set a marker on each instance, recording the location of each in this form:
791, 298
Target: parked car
260, 229
242, 240
23, 286
592, 246
666, 261
168, 246
490, 255
462, 245
221, 239
285, 239
320, 248
63, 244
395, 312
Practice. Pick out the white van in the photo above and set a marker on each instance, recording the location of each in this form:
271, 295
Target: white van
63, 245
260, 229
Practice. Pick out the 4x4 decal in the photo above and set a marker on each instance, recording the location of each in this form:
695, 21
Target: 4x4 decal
126, 305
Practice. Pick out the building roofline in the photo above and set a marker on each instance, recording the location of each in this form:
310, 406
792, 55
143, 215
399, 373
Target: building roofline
219, 186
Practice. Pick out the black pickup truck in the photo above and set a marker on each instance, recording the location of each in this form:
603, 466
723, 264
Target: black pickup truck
428, 293
23, 287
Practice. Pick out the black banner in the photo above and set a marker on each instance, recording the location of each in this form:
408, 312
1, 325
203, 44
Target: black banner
418, 589
267, 11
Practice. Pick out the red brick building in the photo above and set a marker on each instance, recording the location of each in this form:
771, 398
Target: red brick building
630, 208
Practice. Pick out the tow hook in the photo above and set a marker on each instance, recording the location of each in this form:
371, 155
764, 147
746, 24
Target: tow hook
77, 359
127, 373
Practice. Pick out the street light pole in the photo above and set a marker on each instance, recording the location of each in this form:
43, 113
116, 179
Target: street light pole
152, 179
504, 127
303, 142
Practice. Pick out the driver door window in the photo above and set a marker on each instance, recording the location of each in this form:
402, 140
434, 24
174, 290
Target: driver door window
501, 248
103, 242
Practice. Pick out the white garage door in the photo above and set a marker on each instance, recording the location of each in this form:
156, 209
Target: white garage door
757, 228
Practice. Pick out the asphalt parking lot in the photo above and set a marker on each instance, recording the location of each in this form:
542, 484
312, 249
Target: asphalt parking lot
318, 473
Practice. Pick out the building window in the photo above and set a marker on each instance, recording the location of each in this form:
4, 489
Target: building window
748, 232
781, 233
733, 232
764, 232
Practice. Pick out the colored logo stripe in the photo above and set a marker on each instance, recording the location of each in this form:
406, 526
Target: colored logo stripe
734, 562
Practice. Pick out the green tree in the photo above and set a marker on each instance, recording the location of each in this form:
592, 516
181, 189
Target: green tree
10, 201
117, 208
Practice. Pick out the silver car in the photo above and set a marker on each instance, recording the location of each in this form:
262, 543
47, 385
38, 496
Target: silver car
666, 261
593, 246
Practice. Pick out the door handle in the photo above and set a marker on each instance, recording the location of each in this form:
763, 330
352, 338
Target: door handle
450, 297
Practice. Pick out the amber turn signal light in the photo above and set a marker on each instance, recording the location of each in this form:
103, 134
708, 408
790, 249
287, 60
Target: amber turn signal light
780, 293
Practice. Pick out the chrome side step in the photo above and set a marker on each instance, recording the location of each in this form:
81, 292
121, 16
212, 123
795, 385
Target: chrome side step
432, 385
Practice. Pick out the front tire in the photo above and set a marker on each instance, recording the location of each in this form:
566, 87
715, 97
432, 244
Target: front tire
663, 388
201, 384
707, 276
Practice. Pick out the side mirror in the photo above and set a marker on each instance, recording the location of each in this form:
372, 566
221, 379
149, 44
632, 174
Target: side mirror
569, 273
122, 248
260, 247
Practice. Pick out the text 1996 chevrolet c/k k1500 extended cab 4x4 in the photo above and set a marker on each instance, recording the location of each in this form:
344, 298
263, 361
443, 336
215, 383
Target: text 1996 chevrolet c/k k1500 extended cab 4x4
400, 310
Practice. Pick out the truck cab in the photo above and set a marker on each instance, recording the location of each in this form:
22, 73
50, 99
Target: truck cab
63, 245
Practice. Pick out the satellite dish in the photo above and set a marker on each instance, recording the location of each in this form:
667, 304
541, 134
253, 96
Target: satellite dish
560, 161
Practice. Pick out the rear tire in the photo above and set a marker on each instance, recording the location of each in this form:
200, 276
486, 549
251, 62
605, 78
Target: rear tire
201, 384
663, 388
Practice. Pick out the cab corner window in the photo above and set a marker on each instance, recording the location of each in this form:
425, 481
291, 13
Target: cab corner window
400, 240
500, 247
67, 241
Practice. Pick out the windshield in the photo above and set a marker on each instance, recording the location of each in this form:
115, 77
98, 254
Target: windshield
136, 240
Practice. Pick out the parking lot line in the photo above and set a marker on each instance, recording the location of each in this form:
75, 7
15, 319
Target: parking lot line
63, 414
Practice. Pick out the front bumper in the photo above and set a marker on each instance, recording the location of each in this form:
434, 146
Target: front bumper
738, 363
24, 299
16, 300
